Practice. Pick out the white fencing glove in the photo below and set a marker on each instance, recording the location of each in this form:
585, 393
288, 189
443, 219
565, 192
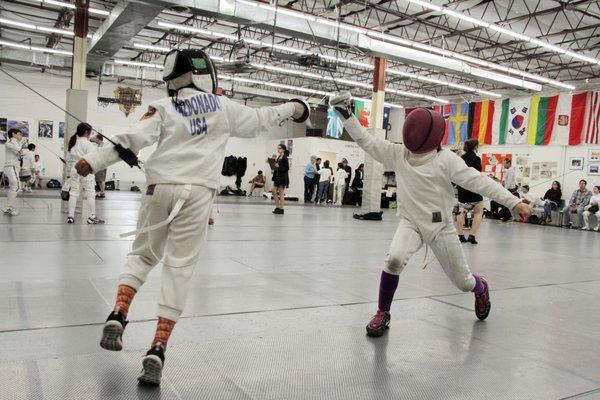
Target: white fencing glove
301, 110
343, 105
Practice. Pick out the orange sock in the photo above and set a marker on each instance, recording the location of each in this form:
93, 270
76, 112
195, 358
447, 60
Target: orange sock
164, 328
125, 296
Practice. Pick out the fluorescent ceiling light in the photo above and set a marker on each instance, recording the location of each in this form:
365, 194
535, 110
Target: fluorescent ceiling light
35, 27
35, 48
151, 47
72, 6
411, 94
507, 79
426, 4
464, 17
138, 64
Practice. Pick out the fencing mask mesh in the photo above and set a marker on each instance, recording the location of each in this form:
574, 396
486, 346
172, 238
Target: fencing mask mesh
189, 68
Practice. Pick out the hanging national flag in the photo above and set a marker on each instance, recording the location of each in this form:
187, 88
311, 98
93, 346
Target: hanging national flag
515, 122
577, 118
563, 119
458, 124
362, 110
592, 118
445, 110
541, 120
481, 117
499, 123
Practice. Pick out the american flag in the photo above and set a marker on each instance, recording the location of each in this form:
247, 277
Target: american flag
592, 118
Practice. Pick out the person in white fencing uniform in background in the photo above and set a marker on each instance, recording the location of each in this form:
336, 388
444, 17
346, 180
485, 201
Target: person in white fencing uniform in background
425, 195
339, 184
27, 173
79, 146
12, 164
191, 129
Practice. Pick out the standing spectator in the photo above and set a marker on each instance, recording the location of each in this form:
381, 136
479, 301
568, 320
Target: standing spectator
310, 170
100, 175
281, 179
39, 172
357, 184
510, 177
592, 208
27, 173
468, 200
316, 181
324, 181
348, 170
579, 199
551, 201
340, 184
257, 182
12, 161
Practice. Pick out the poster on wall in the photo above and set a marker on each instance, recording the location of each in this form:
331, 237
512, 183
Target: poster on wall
576, 163
594, 155
522, 166
23, 126
544, 170
492, 164
334, 125
45, 129
593, 169
61, 130
3, 131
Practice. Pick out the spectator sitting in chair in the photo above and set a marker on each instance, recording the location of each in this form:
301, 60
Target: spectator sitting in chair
592, 208
257, 182
579, 199
551, 200
528, 198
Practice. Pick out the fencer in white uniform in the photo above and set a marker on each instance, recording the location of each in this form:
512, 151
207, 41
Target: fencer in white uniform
27, 172
191, 129
425, 174
79, 146
12, 164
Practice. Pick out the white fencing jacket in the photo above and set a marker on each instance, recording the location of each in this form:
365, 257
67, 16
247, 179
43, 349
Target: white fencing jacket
28, 167
82, 147
425, 181
191, 136
13, 153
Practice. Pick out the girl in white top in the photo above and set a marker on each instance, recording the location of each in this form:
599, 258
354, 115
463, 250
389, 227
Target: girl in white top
79, 146
340, 184
12, 164
594, 202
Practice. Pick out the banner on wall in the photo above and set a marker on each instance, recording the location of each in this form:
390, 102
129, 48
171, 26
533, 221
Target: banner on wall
3, 131
458, 123
517, 120
541, 120
334, 124
481, 118
45, 129
23, 126
493, 164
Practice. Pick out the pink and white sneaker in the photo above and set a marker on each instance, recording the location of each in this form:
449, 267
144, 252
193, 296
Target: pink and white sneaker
379, 324
94, 220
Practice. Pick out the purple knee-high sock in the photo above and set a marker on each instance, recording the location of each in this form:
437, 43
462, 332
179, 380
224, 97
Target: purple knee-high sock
479, 288
387, 288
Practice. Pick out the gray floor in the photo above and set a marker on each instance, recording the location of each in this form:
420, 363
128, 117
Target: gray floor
278, 309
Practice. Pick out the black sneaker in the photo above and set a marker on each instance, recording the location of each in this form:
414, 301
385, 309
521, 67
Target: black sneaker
112, 333
278, 211
152, 365
472, 240
462, 238
70, 220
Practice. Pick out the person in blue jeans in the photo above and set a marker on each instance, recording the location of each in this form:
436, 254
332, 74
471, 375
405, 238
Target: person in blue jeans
579, 199
551, 199
309, 178
324, 180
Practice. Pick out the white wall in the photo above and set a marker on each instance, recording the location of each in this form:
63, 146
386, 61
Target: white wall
569, 179
303, 148
18, 103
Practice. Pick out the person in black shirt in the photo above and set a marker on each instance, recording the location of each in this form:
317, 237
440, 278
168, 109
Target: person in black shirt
281, 179
552, 200
468, 200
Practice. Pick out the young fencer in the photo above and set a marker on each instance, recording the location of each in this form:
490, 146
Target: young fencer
425, 173
190, 128
12, 163
79, 146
